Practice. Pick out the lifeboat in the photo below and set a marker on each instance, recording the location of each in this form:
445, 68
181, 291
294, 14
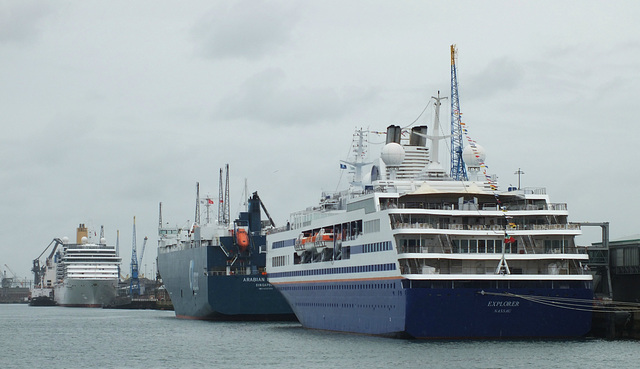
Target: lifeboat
315, 241
242, 239
309, 243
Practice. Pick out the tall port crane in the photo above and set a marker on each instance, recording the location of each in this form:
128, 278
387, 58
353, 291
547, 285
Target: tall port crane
6, 281
12, 272
458, 169
134, 282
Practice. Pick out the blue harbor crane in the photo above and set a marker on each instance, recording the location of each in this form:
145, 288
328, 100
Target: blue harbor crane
134, 286
458, 169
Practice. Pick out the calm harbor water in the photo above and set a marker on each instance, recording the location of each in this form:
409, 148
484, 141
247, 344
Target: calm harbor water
56, 337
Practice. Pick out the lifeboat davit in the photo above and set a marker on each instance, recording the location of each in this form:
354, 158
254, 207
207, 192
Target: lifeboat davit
242, 239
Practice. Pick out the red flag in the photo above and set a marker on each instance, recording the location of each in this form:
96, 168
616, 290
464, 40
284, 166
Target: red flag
210, 201
509, 240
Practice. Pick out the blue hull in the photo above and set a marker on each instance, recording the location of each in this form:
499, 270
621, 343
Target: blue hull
393, 308
196, 295
467, 313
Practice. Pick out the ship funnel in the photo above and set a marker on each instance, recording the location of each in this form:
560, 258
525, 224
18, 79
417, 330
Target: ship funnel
393, 134
82, 232
418, 136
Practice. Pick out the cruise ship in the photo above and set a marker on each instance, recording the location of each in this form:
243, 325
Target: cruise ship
82, 274
410, 251
215, 269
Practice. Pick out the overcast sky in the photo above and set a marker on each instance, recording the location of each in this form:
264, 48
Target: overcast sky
110, 107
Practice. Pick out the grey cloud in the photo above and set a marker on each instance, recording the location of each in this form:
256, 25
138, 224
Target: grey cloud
500, 75
265, 97
247, 29
20, 21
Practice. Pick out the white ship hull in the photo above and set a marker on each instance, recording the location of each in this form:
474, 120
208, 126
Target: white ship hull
85, 292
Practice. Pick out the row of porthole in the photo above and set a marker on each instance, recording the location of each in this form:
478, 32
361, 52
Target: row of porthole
369, 286
336, 270
351, 306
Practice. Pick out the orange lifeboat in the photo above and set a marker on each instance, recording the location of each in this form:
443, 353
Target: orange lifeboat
242, 239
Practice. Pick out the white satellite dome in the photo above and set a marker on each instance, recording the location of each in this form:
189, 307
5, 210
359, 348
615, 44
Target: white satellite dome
469, 155
84, 239
65, 240
392, 154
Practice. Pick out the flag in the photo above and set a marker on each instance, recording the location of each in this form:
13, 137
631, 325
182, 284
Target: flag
210, 202
342, 166
509, 240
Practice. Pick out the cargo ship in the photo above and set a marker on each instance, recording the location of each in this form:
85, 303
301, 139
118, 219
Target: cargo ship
411, 249
216, 270
81, 274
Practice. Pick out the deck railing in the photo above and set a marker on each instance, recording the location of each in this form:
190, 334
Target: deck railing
482, 206
484, 271
484, 227
517, 249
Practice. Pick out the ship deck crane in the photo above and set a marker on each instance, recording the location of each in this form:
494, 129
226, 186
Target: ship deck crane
12, 272
273, 224
37, 269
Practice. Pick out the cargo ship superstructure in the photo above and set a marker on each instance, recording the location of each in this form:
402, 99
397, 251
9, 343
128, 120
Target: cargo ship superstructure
81, 274
407, 251
216, 270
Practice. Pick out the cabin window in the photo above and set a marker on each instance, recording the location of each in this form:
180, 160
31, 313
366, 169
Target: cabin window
555, 246
490, 249
482, 246
473, 246
346, 252
464, 246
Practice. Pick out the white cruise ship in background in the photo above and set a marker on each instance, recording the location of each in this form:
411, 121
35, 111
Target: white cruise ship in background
78, 274
409, 251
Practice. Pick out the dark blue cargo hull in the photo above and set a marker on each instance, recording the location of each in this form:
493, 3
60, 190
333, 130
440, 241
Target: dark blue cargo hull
199, 294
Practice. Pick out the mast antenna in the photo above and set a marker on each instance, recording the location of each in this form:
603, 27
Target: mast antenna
197, 217
220, 201
224, 208
519, 172
227, 205
458, 170
359, 150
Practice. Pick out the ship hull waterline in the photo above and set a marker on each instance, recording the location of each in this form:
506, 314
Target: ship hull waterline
386, 308
85, 292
